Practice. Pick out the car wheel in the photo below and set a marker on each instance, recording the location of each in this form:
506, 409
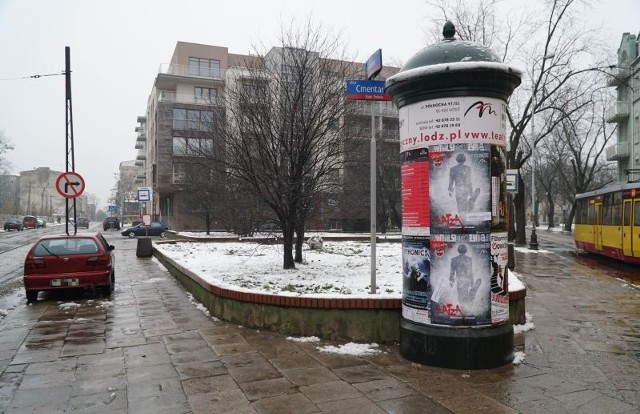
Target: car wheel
108, 290
32, 296
132, 235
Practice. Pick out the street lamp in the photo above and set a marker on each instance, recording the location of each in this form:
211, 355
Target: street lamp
533, 242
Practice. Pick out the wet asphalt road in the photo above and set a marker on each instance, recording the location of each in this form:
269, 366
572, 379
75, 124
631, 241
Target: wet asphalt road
151, 349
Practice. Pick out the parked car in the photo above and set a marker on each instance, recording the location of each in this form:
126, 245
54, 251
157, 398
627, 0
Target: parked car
111, 223
29, 222
64, 261
155, 229
83, 222
13, 224
41, 222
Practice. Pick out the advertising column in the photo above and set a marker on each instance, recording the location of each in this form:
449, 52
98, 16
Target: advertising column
451, 98
454, 211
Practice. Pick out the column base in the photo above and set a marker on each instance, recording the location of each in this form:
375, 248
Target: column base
482, 347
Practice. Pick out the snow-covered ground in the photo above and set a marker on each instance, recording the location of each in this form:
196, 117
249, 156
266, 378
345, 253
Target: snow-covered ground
340, 268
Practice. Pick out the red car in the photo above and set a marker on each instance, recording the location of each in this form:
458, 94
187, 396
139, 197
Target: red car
55, 262
30, 222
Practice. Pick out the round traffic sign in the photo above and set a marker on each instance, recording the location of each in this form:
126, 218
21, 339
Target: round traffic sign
70, 184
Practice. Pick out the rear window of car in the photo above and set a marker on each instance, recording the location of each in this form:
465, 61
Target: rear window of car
53, 247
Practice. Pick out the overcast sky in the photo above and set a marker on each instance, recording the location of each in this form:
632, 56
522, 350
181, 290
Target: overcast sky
117, 47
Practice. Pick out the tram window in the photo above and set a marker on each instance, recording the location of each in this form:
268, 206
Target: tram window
627, 214
636, 214
606, 214
591, 214
616, 213
581, 212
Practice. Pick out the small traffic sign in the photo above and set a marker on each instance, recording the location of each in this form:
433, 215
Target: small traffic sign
70, 184
144, 194
512, 181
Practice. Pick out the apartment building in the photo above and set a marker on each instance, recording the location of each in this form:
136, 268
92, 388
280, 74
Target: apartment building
185, 102
626, 110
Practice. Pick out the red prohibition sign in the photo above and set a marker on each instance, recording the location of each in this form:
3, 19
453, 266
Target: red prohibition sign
70, 184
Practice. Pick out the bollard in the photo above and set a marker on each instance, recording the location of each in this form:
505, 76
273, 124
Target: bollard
452, 99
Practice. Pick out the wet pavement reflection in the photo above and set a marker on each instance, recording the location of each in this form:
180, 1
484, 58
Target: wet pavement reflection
149, 349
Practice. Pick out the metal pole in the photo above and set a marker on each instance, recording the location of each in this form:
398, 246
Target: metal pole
372, 192
533, 241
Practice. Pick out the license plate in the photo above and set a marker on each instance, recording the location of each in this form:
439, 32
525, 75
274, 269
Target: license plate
64, 282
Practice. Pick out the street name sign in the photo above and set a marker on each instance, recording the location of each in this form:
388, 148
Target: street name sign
366, 90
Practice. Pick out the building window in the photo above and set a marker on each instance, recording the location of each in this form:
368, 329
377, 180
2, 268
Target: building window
192, 147
179, 173
209, 68
192, 120
206, 95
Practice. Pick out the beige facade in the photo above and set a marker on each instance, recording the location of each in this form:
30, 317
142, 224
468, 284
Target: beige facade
193, 82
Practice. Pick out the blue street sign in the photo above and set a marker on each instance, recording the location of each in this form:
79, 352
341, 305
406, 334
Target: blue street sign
366, 90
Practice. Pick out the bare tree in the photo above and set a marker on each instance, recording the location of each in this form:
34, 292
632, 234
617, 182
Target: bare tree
5, 146
556, 50
282, 137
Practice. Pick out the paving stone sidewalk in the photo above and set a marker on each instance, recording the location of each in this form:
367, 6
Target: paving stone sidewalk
151, 349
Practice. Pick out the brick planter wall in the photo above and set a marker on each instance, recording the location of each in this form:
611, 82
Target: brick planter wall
352, 319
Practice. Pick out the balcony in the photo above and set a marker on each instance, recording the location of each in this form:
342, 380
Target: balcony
171, 96
139, 163
619, 77
618, 113
619, 151
141, 157
186, 71
139, 145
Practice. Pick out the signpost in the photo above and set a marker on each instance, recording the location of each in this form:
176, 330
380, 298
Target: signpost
70, 184
370, 90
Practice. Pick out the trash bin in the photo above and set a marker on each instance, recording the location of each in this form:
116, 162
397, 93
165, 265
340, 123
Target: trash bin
144, 248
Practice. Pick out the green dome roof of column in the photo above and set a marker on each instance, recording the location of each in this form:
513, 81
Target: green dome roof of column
450, 50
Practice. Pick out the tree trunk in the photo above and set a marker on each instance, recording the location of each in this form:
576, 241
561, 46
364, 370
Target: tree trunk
299, 242
551, 223
569, 221
287, 260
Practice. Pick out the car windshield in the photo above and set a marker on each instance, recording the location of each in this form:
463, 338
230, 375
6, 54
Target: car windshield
54, 247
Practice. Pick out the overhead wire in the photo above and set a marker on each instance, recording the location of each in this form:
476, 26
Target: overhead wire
33, 76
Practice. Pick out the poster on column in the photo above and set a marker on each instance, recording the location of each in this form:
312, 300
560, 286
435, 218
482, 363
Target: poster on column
416, 283
461, 278
453, 120
499, 278
460, 188
414, 173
